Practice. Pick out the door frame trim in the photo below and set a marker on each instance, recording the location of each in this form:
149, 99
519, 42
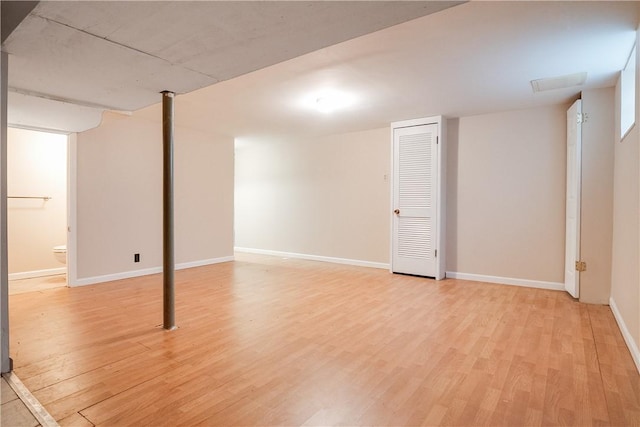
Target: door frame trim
567, 262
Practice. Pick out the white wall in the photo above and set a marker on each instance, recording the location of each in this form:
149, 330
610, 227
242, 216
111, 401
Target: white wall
37, 166
328, 196
506, 194
325, 196
625, 277
119, 197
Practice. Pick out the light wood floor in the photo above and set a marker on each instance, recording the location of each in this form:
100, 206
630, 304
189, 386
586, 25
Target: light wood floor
36, 284
288, 342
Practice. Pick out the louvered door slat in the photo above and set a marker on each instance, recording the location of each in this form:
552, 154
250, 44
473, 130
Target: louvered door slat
414, 155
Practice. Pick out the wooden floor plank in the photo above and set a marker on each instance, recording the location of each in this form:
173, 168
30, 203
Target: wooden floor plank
269, 341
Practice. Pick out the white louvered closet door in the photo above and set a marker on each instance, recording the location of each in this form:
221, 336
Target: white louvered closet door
415, 214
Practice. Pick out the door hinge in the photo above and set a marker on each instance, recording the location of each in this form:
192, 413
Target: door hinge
436, 253
437, 140
581, 266
582, 118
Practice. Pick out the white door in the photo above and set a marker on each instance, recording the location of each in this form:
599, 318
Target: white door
415, 164
574, 178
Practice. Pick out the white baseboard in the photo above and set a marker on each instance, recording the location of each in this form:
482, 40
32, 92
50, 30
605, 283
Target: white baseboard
144, 272
506, 281
346, 261
628, 339
203, 262
37, 273
115, 276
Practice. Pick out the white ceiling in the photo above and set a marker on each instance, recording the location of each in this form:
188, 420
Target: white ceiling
121, 54
474, 58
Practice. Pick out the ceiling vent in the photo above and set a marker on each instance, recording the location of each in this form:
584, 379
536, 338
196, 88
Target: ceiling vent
561, 82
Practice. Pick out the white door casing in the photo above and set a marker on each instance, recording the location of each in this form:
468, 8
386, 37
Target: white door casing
574, 180
415, 200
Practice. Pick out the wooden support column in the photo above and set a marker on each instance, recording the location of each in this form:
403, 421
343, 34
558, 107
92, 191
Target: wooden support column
168, 261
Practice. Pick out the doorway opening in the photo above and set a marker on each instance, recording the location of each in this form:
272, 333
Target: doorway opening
37, 205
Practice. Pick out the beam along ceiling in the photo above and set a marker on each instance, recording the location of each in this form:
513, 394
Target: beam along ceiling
120, 54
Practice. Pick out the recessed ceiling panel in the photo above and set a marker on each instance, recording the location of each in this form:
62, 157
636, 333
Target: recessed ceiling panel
560, 82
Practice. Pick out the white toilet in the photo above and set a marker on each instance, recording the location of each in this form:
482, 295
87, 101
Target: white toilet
60, 252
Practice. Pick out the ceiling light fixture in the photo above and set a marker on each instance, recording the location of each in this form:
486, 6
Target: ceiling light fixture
560, 82
325, 105
328, 101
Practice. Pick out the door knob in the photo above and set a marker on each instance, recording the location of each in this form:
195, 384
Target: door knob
397, 211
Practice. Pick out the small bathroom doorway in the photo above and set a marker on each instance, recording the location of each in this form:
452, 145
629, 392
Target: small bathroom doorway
37, 170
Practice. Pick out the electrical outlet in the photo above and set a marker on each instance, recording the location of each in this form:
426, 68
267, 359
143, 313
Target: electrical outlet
136, 257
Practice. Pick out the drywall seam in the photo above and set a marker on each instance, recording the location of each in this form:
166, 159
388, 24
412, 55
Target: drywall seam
37, 273
506, 281
334, 260
145, 272
628, 339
